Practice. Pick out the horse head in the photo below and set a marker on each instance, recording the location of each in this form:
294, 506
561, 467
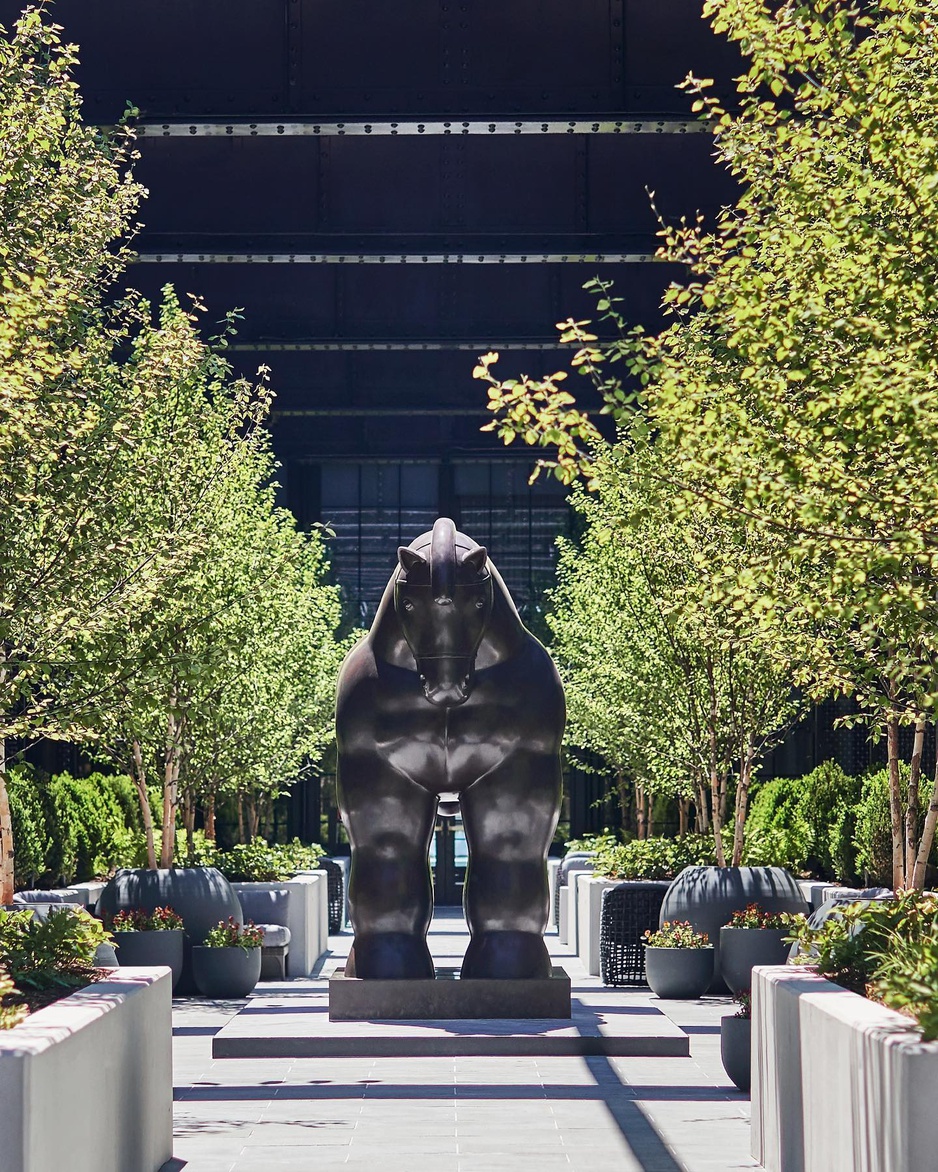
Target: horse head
443, 604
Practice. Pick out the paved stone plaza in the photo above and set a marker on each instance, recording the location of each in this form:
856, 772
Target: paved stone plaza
465, 1114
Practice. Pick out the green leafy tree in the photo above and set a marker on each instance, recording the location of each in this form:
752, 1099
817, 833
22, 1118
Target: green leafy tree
66, 200
796, 387
667, 677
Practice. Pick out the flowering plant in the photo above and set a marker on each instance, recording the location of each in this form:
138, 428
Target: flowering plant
161, 919
676, 934
754, 916
230, 934
743, 1000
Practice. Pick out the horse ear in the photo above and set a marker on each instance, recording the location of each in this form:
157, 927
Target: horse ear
409, 560
475, 559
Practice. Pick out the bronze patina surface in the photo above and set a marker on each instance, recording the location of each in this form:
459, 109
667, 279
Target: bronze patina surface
448, 698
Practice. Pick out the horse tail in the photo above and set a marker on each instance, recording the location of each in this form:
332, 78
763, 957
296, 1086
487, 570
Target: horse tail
443, 559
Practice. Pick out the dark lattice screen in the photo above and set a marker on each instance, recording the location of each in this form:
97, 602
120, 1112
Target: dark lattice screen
374, 507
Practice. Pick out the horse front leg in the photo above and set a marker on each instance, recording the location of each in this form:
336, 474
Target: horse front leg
510, 816
389, 821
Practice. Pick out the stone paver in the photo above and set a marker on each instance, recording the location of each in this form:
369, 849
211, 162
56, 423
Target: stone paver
462, 1114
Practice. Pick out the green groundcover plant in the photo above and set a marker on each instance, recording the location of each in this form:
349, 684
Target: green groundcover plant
653, 858
55, 953
887, 950
262, 862
10, 1015
230, 934
676, 934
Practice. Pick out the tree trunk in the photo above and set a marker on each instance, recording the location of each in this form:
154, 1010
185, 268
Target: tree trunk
622, 790
703, 810
742, 802
241, 837
911, 809
170, 784
6, 832
715, 792
250, 803
895, 803
208, 813
724, 787
140, 781
641, 826
188, 821
649, 815
928, 834
683, 812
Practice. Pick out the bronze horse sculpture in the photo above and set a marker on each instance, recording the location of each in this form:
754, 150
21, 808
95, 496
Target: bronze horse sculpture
448, 702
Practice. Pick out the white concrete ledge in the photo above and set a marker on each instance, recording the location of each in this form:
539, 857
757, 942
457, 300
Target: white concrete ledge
87, 1083
307, 918
589, 913
839, 1083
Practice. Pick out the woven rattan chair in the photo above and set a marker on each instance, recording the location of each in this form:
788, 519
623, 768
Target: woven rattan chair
627, 910
335, 880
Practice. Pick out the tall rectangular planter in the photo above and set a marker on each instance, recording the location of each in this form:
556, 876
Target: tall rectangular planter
839, 1083
87, 1083
553, 871
589, 912
307, 918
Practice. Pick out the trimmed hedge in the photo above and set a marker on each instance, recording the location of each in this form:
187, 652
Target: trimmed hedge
67, 829
807, 823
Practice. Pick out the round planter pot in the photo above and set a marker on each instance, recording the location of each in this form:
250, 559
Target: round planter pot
707, 897
145, 949
678, 973
225, 972
736, 1049
741, 948
201, 895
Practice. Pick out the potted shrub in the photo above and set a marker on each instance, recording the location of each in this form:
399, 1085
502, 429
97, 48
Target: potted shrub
228, 962
678, 961
752, 936
736, 1042
145, 938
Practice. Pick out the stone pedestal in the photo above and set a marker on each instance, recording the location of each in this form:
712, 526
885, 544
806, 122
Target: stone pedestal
448, 998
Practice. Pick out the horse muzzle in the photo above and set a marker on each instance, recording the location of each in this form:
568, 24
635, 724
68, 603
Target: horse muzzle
446, 683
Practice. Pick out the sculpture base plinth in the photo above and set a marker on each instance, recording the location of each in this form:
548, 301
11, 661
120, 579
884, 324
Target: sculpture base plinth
448, 998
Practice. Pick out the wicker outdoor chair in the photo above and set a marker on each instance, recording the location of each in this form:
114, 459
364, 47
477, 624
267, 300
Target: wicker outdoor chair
335, 880
627, 910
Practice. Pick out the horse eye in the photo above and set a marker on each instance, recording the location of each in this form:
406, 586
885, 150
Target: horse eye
480, 605
407, 604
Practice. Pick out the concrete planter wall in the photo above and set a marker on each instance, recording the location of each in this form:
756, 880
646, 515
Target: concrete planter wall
87, 1084
553, 867
839, 1083
307, 918
588, 916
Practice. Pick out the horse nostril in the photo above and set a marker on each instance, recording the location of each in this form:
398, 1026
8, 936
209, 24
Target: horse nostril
423, 679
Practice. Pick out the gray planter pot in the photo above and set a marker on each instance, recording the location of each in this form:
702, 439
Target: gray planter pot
742, 948
736, 1049
201, 895
707, 897
225, 972
678, 973
145, 949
